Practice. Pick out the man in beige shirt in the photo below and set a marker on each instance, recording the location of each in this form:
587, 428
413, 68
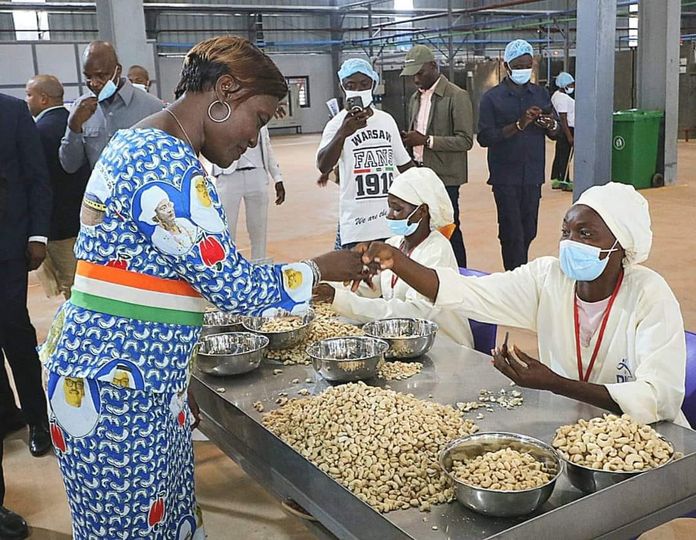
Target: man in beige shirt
440, 129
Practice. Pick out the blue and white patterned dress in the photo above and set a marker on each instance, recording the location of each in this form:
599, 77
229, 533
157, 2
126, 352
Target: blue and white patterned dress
152, 249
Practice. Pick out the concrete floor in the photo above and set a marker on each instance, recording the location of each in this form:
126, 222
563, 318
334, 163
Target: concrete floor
305, 226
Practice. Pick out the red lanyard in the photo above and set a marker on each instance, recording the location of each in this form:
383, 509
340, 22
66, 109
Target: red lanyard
576, 317
395, 278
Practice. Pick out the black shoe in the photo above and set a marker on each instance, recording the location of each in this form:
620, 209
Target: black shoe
12, 526
12, 424
39, 440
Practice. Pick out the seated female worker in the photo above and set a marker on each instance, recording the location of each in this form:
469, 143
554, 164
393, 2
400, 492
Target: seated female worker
421, 218
610, 331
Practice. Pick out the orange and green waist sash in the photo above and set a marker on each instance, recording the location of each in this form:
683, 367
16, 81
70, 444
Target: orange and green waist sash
122, 293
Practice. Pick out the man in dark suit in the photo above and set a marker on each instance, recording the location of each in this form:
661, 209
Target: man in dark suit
25, 213
45, 101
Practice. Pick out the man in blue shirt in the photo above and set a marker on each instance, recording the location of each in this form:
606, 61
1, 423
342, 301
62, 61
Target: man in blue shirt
514, 118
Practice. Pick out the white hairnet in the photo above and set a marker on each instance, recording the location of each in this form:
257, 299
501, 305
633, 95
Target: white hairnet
517, 48
626, 213
563, 79
149, 201
420, 185
357, 65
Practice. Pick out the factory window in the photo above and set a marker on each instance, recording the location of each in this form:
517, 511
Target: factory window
303, 85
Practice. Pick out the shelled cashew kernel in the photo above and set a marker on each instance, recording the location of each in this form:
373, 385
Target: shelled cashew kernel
503, 470
380, 444
281, 324
612, 443
398, 371
322, 328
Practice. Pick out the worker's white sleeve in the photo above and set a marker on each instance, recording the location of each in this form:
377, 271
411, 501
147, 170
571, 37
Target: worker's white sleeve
362, 309
330, 131
272, 165
509, 298
658, 391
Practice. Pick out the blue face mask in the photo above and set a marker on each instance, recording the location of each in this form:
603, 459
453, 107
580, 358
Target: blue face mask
581, 262
109, 89
520, 76
401, 227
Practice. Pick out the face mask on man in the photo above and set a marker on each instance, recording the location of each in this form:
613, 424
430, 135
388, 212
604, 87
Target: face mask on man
364, 95
581, 262
569, 90
141, 87
109, 89
520, 76
401, 227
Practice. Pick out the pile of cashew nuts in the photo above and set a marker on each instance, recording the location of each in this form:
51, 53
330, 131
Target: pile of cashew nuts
612, 443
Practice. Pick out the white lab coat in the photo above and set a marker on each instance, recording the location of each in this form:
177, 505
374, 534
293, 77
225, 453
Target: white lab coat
402, 300
642, 358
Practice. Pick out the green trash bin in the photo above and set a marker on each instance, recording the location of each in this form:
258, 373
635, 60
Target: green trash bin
634, 147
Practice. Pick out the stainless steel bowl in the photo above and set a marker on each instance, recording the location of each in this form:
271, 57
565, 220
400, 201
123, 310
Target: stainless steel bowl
500, 503
590, 480
280, 340
220, 322
407, 338
230, 354
347, 359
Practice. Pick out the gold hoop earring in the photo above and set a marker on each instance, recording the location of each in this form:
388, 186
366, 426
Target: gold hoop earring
219, 120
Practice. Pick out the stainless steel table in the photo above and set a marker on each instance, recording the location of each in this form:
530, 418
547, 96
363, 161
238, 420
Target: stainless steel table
450, 374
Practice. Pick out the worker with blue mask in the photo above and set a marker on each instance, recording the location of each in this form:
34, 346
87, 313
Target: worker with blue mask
564, 105
514, 118
366, 145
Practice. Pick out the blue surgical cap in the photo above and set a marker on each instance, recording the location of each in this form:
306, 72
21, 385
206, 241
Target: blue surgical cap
563, 79
517, 48
357, 65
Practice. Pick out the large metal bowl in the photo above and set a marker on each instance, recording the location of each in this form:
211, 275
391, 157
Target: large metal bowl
220, 322
590, 480
280, 340
500, 503
347, 359
230, 354
407, 338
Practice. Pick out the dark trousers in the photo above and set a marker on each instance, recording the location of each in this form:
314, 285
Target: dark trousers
457, 239
18, 341
560, 160
2, 476
518, 214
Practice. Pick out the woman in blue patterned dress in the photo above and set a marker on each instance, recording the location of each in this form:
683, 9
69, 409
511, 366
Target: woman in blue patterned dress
153, 249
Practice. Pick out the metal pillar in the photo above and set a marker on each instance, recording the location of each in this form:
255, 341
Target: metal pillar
369, 23
566, 43
658, 73
335, 24
596, 28
122, 24
450, 45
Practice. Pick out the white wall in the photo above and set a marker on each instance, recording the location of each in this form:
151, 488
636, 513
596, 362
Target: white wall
316, 66
19, 62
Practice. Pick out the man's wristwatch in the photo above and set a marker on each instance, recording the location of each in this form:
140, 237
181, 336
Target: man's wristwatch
429, 141
518, 126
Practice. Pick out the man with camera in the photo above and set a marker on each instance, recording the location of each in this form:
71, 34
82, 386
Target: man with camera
366, 144
440, 130
514, 118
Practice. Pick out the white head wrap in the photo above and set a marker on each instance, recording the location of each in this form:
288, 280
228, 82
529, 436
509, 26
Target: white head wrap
419, 185
626, 213
150, 200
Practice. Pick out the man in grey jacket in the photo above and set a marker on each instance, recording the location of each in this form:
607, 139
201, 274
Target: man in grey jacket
111, 104
440, 129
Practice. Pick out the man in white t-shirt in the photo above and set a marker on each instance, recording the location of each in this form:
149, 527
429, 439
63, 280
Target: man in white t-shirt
565, 107
366, 144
